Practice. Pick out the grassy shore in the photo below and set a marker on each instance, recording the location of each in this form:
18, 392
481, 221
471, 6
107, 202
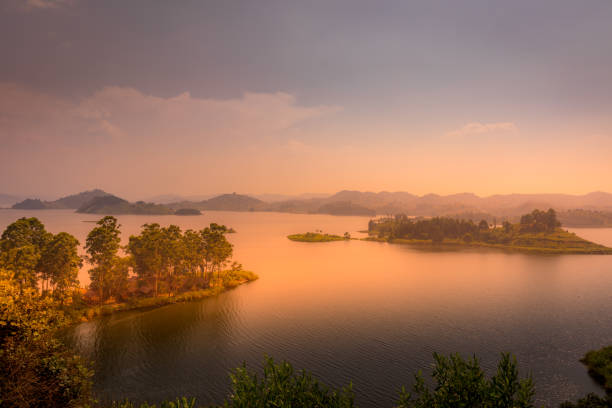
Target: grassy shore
316, 237
559, 242
599, 363
226, 280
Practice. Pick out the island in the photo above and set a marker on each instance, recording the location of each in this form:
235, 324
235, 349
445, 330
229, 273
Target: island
158, 266
318, 237
599, 363
187, 211
110, 204
73, 201
537, 232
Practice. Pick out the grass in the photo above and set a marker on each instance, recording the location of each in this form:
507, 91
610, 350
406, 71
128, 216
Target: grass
599, 363
226, 280
558, 242
316, 237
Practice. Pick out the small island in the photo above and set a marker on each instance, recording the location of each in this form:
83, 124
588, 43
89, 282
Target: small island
187, 211
537, 232
159, 266
599, 363
318, 237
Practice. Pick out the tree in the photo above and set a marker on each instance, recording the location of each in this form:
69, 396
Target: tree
21, 246
60, 264
218, 250
281, 386
102, 245
193, 252
462, 383
146, 251
37, 369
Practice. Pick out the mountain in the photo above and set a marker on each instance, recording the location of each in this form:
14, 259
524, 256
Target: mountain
77, 200
176, 198
233, 202
113, 205
31, 204
345, 208
272, 198
69, 202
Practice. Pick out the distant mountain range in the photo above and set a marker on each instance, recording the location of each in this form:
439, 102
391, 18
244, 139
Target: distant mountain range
595, 208
69, 202
110, 204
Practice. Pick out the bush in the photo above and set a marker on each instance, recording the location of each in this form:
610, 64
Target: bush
462, 383
283, 387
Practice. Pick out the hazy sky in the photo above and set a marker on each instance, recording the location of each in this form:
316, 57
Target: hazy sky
194, 97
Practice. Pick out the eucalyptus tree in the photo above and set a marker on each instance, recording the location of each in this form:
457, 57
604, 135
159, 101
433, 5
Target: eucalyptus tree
102, 246
60, 264
146, 251
218, 250
193, 252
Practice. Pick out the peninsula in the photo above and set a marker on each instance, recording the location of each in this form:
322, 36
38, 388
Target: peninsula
537, 232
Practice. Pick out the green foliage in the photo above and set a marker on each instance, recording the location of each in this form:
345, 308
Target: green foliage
540, 221
60, 264
166, 256
589, 401
599, 363
102, 245
21, 247
182, 402
462, 383
37, 370
282, 386
547, 238
318, 237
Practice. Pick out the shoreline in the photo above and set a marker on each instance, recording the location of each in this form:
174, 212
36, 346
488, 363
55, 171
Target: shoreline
455, 244
93, 312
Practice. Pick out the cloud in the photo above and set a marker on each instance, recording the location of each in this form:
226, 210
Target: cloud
130, 116
477, 128
45, 4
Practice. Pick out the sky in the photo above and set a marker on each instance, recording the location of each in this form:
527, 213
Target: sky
142, 98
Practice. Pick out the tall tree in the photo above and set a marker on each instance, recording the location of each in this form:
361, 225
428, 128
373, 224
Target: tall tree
60, 264
147, 250
102, 245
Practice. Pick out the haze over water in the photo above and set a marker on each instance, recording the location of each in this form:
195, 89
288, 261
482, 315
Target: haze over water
366, 312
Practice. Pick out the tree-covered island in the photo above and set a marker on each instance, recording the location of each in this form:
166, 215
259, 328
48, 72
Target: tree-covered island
160, 265
537, 232
318, 237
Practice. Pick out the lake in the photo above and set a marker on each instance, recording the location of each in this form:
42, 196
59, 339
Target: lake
366, 312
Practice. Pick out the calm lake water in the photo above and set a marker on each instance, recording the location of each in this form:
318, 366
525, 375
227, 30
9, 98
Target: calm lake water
370, 313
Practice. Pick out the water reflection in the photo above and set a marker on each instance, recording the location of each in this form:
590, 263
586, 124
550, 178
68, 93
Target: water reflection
370, 313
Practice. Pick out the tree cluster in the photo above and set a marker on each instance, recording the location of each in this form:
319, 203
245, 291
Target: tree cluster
540, 221
39, 259
36, 368
439, 228
162, 259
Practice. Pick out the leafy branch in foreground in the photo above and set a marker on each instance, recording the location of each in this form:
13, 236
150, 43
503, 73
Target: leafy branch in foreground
462, 383
282, 386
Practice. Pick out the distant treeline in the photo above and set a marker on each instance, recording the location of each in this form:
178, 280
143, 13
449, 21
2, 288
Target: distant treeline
437, 229
158, 260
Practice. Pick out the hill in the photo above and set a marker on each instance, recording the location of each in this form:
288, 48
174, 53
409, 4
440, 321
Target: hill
73, 201
496, 208
111, 204
225, 202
